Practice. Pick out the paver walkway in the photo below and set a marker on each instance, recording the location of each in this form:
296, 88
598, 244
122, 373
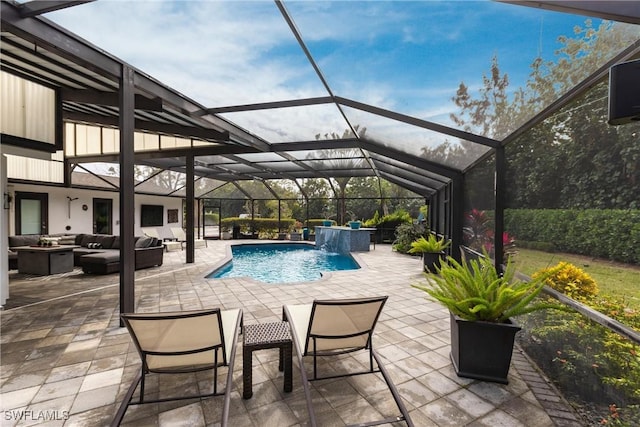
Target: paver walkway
65, 360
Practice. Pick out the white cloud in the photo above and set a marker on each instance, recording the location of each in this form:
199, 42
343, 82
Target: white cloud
403, 56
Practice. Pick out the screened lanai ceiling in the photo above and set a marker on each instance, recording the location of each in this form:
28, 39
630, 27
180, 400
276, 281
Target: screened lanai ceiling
291, 90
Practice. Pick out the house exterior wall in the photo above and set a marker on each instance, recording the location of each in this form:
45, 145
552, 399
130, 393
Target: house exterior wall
69, 217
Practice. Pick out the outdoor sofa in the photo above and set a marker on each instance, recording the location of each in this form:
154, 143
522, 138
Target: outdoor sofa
99, 253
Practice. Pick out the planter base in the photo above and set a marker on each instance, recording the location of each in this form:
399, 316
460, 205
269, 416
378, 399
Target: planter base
482, 350
431, 260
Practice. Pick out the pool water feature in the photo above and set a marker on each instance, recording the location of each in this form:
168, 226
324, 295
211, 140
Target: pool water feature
282, 263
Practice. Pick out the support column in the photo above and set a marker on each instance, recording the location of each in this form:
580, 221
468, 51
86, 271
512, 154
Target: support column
499, 201
190, 195
4, 225
457, 215
127, 191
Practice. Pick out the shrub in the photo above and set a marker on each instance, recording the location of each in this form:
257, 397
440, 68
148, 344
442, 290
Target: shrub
406, 234
387, 226
315, 222
372, 222
258, 225
592, 363
570, 280
429, 244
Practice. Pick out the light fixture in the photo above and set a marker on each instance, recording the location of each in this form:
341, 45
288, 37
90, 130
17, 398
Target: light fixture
7, 199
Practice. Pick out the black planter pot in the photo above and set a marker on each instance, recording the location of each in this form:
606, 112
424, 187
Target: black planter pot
431, 260
482, 350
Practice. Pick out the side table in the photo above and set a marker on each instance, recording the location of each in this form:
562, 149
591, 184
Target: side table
262, 336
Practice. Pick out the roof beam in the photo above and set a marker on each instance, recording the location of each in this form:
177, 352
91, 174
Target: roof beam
418, 189
60, 41
318, 144
109, 98
283, 175
268, 105
296, 33
18, 60
412, 160
38, 7
425, 124
213, 150
50, 36
390, 168
166, 128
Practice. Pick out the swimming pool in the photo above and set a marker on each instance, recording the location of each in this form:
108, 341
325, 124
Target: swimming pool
282, 263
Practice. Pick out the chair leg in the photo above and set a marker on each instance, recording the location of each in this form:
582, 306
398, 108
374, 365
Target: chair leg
394, 392
142, 378
117, 419
231, 362
303, 374
315, 360
371, 359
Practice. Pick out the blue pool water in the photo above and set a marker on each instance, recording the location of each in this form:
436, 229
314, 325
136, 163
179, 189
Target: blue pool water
282, 263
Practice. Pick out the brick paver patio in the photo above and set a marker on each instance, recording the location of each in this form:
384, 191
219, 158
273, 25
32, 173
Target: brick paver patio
65, 360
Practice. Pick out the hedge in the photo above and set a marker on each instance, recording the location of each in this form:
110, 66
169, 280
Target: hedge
267, 225
258, 225
601, 233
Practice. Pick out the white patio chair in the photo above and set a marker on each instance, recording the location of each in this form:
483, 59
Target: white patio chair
179, 342
335, 327
168, 244
179, 234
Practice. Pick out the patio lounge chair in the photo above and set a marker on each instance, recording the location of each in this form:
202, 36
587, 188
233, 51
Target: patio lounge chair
169, 245
334, 327
179, 342
179, 234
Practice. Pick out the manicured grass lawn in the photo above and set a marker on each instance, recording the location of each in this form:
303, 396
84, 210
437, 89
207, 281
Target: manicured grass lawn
615, 279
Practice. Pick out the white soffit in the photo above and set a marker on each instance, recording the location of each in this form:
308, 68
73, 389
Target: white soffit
622, 11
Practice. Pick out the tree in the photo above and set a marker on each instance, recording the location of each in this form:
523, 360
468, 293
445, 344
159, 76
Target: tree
319, 193
487, 114
342, 160
564, 161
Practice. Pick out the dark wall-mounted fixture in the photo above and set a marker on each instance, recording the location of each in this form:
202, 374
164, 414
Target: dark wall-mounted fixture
69, 200
6, 200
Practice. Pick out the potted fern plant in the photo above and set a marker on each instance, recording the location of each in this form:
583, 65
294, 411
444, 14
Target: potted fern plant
432, 250
482, 303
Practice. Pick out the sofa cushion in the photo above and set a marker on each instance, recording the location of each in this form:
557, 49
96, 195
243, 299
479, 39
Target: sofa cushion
144, 242
23, 240
106, 257
78, 239
67, 240
88, 238
85, 251
105, 240
116, 242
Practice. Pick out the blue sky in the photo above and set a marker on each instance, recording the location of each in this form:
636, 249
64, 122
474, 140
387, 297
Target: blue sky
407, 56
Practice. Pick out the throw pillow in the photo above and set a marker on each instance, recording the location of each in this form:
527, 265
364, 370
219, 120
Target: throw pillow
143, 242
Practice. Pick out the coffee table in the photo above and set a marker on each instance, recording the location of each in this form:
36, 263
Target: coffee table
45, 260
